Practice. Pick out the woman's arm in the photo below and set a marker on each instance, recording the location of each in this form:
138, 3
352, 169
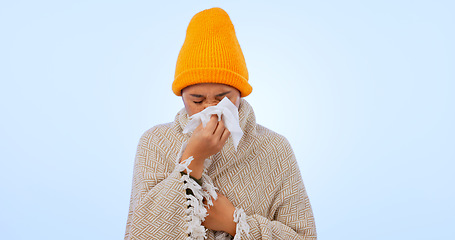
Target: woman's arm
162, 193
203, 143
293, 216
157, 204
292, 213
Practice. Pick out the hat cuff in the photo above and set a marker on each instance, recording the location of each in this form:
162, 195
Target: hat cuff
211, 75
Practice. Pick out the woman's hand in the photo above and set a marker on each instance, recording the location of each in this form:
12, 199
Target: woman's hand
204, 142
221, 216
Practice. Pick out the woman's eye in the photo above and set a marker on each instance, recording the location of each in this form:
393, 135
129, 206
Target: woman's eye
197, 102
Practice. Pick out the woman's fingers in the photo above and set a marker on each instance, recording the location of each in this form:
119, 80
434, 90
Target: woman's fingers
220, 128
225, 135
221, 215
215, 132
199, 127
221, 133
211, 125
208, 140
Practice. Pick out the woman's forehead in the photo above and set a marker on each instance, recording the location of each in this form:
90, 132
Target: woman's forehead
208, 88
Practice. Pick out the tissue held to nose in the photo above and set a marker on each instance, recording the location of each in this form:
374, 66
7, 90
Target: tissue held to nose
226, 111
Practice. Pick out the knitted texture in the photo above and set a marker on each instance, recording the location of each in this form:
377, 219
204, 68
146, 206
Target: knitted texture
262, 178
211, 54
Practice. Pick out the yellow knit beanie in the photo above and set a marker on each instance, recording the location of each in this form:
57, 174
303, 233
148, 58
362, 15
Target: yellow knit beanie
211, 54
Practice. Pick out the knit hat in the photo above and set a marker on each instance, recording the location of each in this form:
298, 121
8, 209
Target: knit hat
211, 54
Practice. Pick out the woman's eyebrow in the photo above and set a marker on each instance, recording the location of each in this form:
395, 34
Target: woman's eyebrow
222, 94
196, 95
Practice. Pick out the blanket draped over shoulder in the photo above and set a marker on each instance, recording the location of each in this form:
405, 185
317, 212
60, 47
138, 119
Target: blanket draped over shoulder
262, 178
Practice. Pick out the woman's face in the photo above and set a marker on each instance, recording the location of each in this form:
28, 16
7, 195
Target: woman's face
199, 96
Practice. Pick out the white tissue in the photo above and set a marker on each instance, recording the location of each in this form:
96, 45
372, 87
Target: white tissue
230, 115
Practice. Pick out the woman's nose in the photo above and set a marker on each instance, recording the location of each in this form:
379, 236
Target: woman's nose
210, 103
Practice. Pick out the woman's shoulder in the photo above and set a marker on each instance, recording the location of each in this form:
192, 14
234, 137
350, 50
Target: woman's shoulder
270, 137
264, 132
273, 147
157, 129
161, 132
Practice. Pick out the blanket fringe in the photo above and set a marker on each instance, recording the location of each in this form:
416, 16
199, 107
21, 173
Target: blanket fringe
196, 211
242, 227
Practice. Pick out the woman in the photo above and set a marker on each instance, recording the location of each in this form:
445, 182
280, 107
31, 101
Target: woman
201, 184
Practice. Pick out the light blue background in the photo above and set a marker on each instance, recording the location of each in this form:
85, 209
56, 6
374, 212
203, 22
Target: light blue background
363, 90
